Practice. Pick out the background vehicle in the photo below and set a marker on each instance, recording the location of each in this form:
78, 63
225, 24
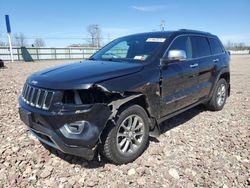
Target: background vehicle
117, 98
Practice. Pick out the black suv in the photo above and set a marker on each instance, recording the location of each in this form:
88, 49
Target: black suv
117, 98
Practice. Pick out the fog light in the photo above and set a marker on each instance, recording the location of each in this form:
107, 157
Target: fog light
75, 127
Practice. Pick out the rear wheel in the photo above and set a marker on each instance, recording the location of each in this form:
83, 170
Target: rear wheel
219, 97
128, 139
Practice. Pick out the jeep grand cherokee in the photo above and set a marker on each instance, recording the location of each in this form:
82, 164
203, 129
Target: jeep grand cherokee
117, 98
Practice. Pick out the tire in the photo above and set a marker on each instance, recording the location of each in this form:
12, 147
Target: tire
128, 138
215, 104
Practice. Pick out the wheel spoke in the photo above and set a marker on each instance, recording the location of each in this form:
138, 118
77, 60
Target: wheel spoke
223, 89
136, 142
138, 134
121, 135
219, 101
134, 122
124, 127
122, 142
130, 120
125, 148
140, 125
219, 91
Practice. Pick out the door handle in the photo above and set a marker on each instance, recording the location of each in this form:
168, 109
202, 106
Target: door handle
216, 60
194, 65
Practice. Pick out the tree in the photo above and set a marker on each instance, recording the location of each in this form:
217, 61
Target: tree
39, 42
76, 45
2, 43
95, 34
236, 46
20, 40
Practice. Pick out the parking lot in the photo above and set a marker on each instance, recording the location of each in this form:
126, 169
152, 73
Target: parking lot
196, 148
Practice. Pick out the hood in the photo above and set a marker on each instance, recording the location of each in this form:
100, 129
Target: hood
81, 75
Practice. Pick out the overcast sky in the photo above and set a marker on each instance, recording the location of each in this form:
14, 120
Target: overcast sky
62, 22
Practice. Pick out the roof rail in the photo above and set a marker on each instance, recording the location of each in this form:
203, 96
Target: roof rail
194, 31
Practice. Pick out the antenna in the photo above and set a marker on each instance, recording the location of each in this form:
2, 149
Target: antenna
162, 25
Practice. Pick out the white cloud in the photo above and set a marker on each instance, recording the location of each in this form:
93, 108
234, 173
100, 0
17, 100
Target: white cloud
149, 8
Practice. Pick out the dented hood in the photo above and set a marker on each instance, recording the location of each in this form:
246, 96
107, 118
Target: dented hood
81, 75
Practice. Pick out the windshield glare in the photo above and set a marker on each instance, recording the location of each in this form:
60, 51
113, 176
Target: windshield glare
132, 48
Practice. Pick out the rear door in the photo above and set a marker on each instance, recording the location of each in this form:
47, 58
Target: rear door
202, 57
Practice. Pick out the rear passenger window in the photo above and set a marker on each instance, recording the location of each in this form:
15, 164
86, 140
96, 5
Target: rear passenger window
215, 46
200, 46
182, 43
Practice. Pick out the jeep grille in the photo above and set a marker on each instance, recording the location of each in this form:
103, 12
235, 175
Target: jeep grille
37, 97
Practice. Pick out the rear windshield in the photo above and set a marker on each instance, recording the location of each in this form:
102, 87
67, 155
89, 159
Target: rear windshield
132, 48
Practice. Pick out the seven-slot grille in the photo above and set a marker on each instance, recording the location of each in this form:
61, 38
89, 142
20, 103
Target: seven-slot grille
37, 97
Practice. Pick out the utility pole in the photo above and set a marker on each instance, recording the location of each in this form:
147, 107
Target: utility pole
162, 25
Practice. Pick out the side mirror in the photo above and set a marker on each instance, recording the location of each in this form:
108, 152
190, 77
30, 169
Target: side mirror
173, 56
177, 55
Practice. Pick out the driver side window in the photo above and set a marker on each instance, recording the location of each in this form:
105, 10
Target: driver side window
182, 43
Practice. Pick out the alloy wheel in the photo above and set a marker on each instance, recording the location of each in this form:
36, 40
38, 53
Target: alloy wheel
130, 134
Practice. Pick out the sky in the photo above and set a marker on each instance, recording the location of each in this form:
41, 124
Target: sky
61, 22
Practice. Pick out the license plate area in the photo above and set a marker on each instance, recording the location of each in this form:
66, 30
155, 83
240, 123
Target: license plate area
25, 116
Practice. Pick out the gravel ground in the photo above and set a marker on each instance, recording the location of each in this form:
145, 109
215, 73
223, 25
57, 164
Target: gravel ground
197, 148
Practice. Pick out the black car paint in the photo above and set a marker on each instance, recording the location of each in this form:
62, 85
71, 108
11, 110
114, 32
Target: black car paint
80, 75
166, 89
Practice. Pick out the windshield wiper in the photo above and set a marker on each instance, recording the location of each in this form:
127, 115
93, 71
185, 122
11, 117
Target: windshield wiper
111, 59
91, 58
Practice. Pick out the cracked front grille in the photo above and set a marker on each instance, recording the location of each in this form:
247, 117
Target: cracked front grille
37, 97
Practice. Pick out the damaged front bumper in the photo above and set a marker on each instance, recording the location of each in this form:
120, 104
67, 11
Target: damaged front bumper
53, 127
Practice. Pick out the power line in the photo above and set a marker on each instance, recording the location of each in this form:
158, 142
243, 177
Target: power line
59, 38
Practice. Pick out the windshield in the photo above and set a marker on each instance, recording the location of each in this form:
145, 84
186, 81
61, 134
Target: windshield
131, 48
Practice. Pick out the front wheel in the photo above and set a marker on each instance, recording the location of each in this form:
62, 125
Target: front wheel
219, 97
128, 139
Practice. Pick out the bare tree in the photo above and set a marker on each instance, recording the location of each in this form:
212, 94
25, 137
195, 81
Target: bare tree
20, 40
2, 43
236, 46
39, 42
95, 34
76, 45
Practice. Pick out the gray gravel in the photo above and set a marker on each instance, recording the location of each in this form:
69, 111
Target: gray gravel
197, 148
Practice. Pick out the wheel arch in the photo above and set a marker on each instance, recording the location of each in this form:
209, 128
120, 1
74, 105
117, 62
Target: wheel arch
226, 76
132, 99
223, 73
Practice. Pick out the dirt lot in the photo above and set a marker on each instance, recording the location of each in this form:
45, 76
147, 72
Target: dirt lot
197, 148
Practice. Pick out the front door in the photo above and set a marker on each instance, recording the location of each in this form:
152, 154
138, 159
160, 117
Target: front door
179, 79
